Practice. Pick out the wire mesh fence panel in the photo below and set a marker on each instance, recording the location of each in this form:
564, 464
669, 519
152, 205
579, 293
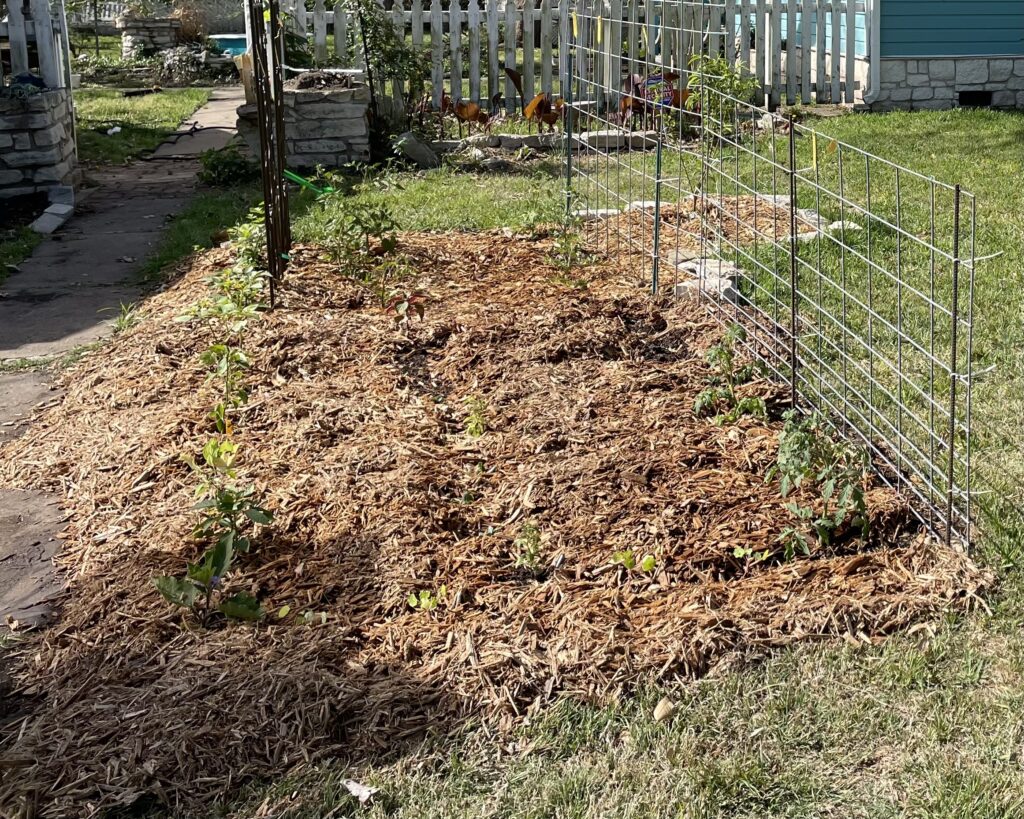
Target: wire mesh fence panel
852, 276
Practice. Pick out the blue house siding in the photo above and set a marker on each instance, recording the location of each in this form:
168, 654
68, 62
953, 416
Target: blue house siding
952, 28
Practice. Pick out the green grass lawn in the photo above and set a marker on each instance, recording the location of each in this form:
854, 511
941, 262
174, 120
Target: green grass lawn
144, 121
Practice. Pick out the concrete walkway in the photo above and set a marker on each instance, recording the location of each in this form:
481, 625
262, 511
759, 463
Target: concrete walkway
66, 295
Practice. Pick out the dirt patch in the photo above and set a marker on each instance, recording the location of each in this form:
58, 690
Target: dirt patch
357, 432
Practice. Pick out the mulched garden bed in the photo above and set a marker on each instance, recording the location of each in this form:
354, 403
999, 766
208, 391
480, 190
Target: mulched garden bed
356, 430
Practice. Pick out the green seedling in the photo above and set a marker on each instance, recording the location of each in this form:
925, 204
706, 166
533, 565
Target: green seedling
427, 600
476, 420
527, 546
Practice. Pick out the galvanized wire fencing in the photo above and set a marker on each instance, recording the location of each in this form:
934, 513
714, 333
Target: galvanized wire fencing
853, 276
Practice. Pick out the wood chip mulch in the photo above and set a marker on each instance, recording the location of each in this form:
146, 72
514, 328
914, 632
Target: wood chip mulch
356, 432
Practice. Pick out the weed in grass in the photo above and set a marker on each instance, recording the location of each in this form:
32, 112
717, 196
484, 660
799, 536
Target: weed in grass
226, 167
128, 316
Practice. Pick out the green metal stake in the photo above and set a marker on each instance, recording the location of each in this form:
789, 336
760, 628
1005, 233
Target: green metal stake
657, 215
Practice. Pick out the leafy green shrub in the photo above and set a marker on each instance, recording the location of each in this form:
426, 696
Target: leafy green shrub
717, 89
225, 167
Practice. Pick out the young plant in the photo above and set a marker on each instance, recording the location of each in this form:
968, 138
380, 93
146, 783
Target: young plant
476, 420
810, 455
725, 378
405, 303
227, 513
717, 90
427, 600
627, 559
527, 546
569, 249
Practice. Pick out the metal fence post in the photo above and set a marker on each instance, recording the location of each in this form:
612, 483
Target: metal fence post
794, 295
657, 215
567, 83
955, 320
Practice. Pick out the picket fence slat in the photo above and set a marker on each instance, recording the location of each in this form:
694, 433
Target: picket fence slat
510, 55
473, 24
493, 67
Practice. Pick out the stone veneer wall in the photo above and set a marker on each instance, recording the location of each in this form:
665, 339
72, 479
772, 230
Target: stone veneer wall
37, 148
936, 83
321, 127
144, 36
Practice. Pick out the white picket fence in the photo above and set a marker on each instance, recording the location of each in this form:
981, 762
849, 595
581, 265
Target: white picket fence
47, 32
792, 61
799, 50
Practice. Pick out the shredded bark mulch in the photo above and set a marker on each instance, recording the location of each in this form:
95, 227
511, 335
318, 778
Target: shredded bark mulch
356, 431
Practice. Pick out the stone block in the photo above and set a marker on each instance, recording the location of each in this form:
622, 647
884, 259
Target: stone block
53, 135
893, 71
971, 72
942, 69
24, 122
329, 110
317, 146
52, 173
1000, 70
1004, 99
312, 160
923, 94
611, 138
37, 157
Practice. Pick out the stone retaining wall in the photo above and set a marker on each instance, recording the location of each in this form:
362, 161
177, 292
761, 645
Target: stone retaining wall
937, 84
37, 149
141, 37
325, 127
